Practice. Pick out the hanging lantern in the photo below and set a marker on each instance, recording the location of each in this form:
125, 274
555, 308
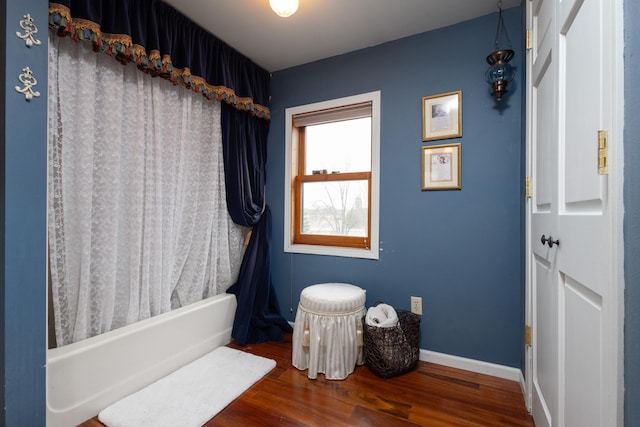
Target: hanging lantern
500, 73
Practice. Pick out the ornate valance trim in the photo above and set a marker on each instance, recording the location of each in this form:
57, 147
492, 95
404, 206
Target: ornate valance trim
151, 61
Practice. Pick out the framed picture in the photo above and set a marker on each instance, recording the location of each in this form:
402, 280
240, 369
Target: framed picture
441, 167
442, 116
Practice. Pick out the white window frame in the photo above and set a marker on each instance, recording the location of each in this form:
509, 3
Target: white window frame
291, 143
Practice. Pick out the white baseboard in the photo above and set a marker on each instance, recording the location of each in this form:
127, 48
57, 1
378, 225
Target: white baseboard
523, 388
478, 366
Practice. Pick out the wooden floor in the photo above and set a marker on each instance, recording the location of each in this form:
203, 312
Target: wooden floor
432, 395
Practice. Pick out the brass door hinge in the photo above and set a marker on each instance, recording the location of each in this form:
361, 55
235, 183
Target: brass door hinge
529, 40
527, 187
603, 152
527, 335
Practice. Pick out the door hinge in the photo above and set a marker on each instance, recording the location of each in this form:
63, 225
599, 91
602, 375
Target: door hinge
527, 335
603, 152
527, 187
529, 40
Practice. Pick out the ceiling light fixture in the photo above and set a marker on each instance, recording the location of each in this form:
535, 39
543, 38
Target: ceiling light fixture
284, 8
500, 72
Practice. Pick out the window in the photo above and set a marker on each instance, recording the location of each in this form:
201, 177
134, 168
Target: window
332, 177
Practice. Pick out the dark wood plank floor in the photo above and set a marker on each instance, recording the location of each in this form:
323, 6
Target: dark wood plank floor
432, 395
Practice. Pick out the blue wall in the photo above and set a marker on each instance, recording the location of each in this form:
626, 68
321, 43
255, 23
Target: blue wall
466, 264
632, 214
461, 251
23, 153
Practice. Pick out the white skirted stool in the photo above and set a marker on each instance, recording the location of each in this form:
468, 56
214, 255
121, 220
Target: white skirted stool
327, 335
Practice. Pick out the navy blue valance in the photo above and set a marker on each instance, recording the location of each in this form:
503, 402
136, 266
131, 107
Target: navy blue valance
163, 42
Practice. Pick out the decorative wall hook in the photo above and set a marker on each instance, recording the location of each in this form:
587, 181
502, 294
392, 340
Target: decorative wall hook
27, 79
29, 30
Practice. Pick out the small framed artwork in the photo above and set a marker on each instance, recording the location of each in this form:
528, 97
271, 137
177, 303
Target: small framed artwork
442, 116
441, 167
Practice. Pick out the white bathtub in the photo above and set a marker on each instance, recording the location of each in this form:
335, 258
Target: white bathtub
85, 377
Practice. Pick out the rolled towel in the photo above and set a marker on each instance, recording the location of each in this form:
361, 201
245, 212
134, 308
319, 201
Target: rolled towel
382, 315
375, 316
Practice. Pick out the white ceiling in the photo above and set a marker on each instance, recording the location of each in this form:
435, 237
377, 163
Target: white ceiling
325, 28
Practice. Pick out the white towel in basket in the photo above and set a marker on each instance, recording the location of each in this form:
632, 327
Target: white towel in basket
382, 315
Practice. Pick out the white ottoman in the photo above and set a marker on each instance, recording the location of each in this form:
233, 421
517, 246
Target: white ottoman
327, 336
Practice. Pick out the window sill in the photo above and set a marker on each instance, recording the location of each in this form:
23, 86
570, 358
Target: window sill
371, 253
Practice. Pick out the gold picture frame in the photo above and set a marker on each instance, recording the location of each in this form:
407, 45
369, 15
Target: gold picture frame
441, 167
442, 116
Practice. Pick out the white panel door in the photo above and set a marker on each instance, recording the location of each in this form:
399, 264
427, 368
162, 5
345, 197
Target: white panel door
574, 304
544, 213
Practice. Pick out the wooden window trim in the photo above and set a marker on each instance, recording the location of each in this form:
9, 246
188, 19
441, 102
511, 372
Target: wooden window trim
357, 242
294, 119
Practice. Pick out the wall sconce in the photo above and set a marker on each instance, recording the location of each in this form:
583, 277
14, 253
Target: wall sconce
500, 72
284, 8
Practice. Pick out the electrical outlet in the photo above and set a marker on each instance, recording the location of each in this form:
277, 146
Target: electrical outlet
416, 305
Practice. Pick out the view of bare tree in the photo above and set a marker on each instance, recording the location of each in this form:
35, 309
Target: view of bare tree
338, 212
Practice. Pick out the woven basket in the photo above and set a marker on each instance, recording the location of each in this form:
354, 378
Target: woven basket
389, 352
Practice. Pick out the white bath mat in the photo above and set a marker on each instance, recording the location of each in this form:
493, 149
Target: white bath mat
192, 395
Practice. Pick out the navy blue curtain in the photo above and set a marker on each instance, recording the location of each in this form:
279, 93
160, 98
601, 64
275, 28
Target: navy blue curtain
163, 42
244, 138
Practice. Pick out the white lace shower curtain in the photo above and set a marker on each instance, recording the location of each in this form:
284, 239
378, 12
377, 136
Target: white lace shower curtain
137, 217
